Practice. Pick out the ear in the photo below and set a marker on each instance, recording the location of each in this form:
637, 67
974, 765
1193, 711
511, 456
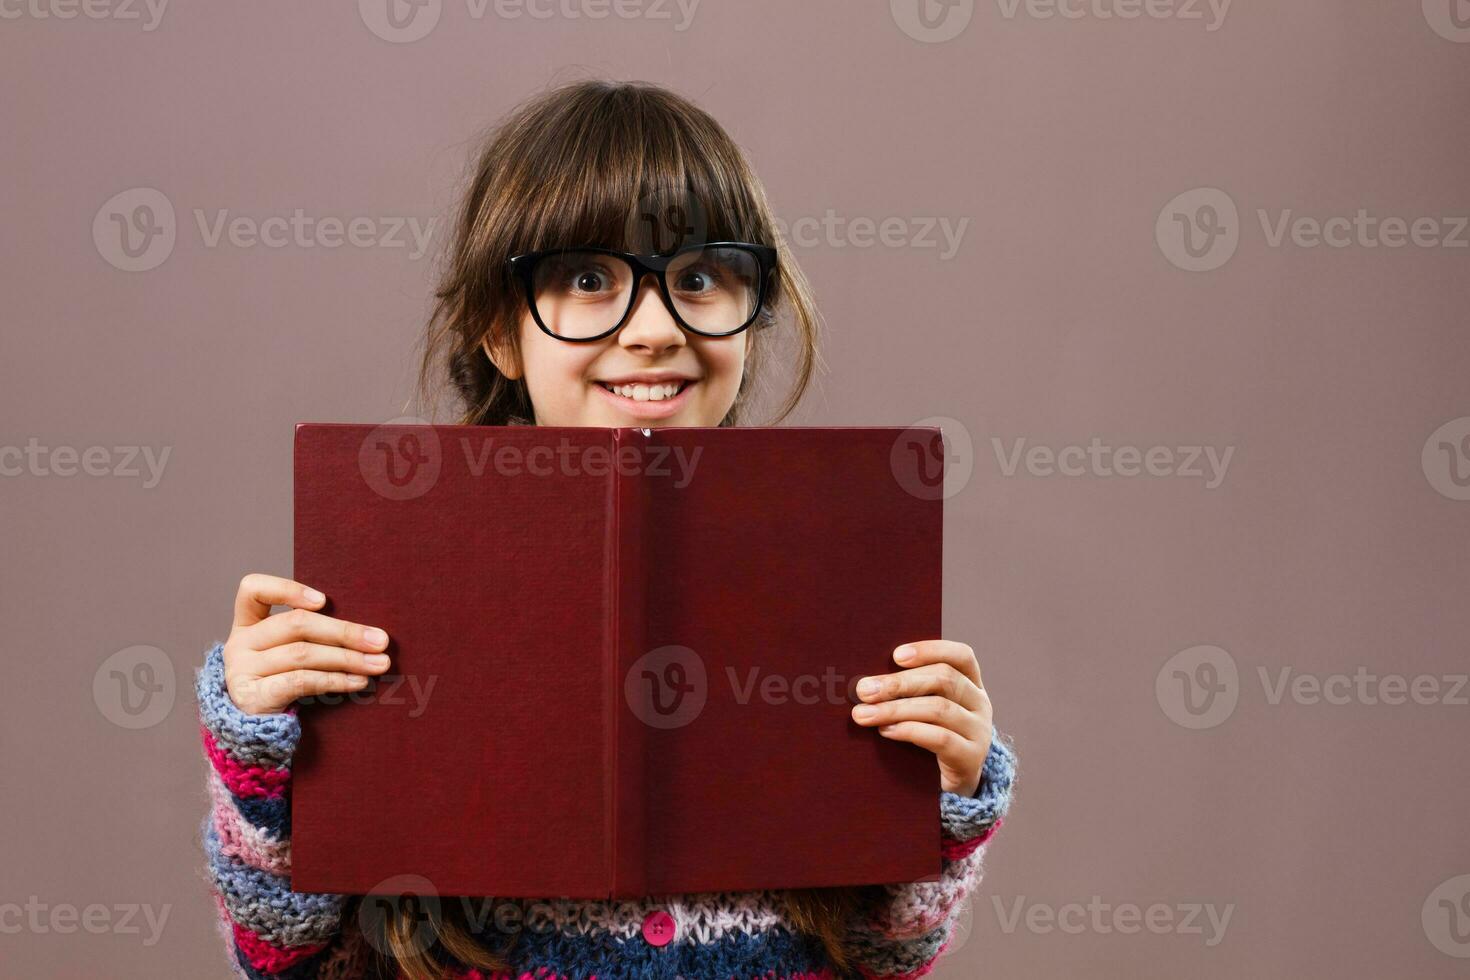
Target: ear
505, 361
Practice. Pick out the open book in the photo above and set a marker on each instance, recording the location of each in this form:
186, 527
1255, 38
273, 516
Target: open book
623, 659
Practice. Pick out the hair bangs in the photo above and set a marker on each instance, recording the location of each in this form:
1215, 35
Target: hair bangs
637, 175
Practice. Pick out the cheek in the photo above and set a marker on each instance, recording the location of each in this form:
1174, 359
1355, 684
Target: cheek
728, 360
554, 370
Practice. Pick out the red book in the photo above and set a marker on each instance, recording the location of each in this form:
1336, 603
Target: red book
623, 659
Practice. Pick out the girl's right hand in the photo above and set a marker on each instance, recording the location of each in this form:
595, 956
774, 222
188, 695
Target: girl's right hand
270, 661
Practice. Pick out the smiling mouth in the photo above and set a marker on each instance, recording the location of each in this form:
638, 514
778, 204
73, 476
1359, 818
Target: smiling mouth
644, 392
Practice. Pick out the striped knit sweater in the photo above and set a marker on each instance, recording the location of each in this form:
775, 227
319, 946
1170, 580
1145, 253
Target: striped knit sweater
273, 932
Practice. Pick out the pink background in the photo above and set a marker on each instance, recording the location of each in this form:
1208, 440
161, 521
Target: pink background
1326, 548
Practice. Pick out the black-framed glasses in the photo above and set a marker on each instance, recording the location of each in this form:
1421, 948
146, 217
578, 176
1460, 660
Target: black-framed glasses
714, 289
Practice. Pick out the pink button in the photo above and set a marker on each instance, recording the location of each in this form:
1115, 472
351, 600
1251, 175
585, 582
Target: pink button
658, 928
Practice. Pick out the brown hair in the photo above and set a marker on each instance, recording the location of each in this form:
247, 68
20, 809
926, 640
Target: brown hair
625, 165
619, 165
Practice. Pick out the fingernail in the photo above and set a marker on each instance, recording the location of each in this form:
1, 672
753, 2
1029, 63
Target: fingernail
864, 711
903, 654
357, 680
313, 596
375, 637
868, 685
376, 660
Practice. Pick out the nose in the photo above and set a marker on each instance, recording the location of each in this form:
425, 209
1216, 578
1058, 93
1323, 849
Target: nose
651, 328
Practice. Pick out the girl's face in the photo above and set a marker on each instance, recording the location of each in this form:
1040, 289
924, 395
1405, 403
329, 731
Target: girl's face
570, 383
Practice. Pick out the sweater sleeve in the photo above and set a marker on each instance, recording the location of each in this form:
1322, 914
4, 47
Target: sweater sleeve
900, 934
269, 930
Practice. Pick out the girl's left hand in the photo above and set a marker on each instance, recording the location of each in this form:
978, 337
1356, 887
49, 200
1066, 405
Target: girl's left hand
938, 703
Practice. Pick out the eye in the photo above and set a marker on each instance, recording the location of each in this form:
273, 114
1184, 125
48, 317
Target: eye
697, 279
589, 281
580, 276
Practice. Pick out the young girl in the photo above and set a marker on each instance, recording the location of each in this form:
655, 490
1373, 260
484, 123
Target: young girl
534, 336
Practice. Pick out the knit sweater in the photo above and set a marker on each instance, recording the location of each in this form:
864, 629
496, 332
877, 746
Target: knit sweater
273, 932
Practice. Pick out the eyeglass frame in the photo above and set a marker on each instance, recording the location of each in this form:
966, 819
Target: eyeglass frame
523, 267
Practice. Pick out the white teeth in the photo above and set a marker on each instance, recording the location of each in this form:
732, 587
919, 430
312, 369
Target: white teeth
646, 393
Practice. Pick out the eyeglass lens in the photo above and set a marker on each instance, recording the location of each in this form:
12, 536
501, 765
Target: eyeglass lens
585, 294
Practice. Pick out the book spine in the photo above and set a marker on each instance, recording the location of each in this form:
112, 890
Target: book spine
626, 643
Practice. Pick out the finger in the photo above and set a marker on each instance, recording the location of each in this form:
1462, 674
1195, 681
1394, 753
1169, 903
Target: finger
304, 655
941, 679
257, 593
295, 684
929, 709
960, 656
950, 747
303, 624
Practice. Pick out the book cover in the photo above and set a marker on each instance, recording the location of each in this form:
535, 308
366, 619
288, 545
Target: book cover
623, 659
